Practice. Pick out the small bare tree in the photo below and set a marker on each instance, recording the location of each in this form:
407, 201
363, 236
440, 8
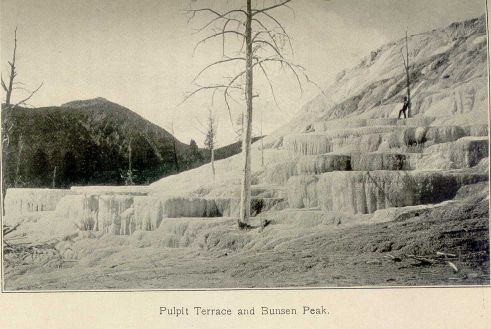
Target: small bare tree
262, 42
405, 62
12, 84
174, 146
129, 177
210, 139
53, 181
262, 142
20, 146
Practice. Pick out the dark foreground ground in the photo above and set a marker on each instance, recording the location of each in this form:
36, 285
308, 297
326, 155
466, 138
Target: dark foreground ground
443, 245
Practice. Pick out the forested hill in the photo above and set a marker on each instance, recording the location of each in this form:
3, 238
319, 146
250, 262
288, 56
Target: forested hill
87, 143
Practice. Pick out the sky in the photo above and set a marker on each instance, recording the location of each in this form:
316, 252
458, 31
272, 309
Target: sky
140, 53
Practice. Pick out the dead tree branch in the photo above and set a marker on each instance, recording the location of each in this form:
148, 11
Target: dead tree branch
275, 49
202, 41
257, 11
279, 25
10, 87
216, 63
23, 102
13, 73
270, 87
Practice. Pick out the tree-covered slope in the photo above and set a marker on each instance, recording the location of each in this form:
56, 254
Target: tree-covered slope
85, 142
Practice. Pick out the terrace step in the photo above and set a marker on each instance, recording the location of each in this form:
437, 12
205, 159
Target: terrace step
371, 139
357, 122
365, 192
125, 214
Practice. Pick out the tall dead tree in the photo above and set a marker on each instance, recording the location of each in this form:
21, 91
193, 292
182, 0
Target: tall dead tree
261, 42
53, 182
129, 177
20, 146
8, 88
210, 139
405, 61
174, 146
14, 85
262, 141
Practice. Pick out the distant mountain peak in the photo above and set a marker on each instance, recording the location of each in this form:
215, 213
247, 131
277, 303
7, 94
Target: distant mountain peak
98, 101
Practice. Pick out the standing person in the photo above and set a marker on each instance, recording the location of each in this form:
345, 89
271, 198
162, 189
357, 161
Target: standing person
404, 108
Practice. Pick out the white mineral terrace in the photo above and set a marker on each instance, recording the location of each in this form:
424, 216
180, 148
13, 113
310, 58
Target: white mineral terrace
344, 152
431, 169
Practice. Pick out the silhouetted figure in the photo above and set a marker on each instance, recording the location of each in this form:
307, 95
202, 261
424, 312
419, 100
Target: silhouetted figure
404, 108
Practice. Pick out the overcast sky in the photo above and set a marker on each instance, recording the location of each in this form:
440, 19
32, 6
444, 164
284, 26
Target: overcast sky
139, 53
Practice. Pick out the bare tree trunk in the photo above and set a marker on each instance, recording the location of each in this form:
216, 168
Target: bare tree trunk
17, 168
245, 196
53, 184
176, 160
262, 142
210, 138
408, 82
8, 91
213, 161
129, 174
6, 130
129, 157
